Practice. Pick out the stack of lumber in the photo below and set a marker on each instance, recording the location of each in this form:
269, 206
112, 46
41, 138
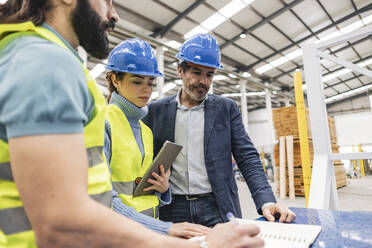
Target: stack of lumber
285, 123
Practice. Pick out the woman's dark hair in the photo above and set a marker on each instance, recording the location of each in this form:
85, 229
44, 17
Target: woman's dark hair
17, 11
110, 85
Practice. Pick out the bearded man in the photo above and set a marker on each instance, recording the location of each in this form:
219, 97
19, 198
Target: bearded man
55, 186
210, 129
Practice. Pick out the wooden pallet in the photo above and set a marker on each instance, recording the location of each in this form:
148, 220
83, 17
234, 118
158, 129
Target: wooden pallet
285, 124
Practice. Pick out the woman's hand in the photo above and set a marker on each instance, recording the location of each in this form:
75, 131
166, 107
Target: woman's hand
187, 230
161, 182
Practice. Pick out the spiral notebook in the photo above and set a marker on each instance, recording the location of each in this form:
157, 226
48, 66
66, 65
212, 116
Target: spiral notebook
285, 235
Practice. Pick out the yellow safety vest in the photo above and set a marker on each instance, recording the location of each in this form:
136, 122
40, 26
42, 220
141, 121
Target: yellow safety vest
126, 161
15, 229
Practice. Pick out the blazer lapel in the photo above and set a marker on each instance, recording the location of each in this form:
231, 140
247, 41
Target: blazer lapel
210, 113
170, 119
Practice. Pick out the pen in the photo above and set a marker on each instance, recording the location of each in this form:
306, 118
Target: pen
230, 216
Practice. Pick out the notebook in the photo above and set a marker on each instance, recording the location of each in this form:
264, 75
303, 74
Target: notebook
165, 157
285, 235
280, 235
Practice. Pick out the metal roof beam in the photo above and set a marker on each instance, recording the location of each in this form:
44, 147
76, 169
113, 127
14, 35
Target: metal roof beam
178, 18
362, 10
259, 24
333, 52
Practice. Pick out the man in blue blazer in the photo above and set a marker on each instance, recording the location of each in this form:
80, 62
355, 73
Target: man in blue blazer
210, 129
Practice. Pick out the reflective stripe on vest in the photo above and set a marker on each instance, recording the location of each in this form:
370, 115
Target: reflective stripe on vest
126, 161
15, 229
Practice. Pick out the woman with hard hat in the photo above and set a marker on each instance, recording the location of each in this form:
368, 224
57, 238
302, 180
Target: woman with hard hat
128, 141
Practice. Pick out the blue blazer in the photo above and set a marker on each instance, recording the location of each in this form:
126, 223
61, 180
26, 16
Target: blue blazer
224, 134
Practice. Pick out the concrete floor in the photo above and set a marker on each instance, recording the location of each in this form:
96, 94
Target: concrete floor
356, 196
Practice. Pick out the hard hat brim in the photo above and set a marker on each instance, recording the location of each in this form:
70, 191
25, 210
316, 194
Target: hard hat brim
112, 68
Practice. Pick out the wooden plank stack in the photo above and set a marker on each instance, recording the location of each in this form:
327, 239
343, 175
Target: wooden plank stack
285, 123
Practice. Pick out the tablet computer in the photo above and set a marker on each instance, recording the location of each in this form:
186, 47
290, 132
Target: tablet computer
165, 157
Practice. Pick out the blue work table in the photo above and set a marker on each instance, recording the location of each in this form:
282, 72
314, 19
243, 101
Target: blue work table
339, 228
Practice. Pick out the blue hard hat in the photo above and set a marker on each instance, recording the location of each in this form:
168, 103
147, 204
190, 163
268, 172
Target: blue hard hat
201, 49
134, 56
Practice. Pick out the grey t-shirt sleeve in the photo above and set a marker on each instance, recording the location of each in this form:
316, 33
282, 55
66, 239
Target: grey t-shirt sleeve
44, 91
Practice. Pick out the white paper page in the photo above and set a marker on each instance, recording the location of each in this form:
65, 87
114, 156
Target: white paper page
285, 235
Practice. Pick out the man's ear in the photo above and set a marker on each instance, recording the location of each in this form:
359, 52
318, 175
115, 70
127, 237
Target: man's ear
180, 72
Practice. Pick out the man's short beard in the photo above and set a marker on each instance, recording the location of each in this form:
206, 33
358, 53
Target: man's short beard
191, 94
90, 29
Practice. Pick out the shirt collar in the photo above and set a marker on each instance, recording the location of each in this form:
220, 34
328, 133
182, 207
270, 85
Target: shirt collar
44, 25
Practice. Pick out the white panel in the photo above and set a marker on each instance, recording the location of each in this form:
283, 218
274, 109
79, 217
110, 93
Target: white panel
354, 129
201, 13
267, 7
317, 18
259, 130
255, 46
237, 54
341, 87
184, 26
152, 10
338, 8
242, 18
271, 36
347, 54
178, 5
288, 66
364, 47
330, 92
354, 83
361, 3
218, 4
294, 29
227, 30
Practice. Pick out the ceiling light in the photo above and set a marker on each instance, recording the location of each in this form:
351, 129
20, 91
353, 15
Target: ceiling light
174, 44
194, 31
367, 19
98, 69
167, 87
218, 17
246, 74
232, 8
279, 61
232, 75
335, 74
219, 77
248, 1
264, 68
365, 63
253, 93
298, 52
174, 64
165, 49
348, 93
154, 95
292, 55
213, 21
274, 92
243, 36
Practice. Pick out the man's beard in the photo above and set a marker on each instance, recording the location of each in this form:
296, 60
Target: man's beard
90, 29
188, 89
